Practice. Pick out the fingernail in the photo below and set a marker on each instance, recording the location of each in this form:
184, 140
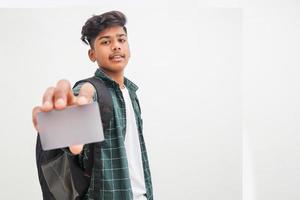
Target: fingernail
82, 100
47, 104
60, 102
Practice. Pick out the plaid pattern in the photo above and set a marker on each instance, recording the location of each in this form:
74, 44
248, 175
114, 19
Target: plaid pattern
110, 176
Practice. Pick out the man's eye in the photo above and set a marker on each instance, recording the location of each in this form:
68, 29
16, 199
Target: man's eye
105, 42
122, 40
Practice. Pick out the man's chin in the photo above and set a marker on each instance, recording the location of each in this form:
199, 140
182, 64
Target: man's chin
115, 68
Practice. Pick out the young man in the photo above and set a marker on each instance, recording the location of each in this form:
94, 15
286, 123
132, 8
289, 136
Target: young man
121, 171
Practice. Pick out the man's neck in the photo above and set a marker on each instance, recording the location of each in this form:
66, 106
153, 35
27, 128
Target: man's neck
116, 76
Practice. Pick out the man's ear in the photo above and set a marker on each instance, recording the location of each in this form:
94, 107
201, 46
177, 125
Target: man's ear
91, 54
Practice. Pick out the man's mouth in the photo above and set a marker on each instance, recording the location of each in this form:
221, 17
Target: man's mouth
117, 57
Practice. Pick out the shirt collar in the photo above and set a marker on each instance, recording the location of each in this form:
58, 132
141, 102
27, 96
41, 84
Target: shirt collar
129, 84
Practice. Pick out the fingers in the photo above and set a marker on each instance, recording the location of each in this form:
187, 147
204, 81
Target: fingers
76, 149
48, 100
35, 111
63, 95
86, 94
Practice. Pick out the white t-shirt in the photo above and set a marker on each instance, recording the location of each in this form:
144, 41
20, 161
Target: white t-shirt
133, 151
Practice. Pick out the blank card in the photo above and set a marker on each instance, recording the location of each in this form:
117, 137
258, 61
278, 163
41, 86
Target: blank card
70, 126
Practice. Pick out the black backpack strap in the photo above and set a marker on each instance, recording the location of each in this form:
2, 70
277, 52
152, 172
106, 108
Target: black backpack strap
104, 99
105, 103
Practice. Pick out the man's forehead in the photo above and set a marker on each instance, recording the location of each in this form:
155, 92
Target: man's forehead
112, 32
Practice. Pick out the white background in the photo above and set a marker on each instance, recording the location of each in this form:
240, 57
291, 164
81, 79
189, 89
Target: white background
187, 65
209, 73
271, 111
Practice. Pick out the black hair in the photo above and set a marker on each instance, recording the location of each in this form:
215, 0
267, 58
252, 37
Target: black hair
97, 23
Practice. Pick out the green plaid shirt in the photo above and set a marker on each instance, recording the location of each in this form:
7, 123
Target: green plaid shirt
110, 176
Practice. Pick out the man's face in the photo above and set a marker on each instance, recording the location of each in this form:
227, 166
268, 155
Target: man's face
111, 49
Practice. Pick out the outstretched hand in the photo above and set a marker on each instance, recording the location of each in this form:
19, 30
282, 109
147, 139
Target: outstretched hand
60, 97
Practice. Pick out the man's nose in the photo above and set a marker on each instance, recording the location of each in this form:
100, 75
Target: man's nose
116, 46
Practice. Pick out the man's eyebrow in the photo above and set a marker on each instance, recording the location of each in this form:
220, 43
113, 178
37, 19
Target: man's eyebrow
107, 36
122, 34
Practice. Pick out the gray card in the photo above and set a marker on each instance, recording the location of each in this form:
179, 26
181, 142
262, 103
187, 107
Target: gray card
73, 125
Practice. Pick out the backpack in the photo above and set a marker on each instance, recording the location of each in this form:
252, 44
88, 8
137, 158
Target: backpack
60, 175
